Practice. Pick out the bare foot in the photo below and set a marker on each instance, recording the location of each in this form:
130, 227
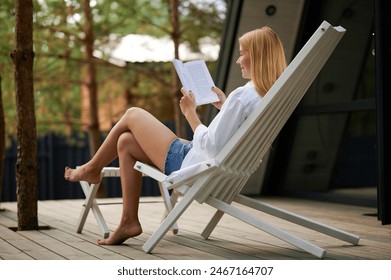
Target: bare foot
82, 174
121, 234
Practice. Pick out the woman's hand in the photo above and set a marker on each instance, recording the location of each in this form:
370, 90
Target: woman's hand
221, 96
189, 109
187, 103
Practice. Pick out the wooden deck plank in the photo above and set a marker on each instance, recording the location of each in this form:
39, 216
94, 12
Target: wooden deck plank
7, 250
231, 239
34, 250
15, 246
134, 245
64, 248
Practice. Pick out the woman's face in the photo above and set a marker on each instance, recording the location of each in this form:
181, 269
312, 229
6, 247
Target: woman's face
244, 62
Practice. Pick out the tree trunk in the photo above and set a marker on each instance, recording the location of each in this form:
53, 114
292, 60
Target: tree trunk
175, 36
90, 85
90, 79
26, 164
2, 139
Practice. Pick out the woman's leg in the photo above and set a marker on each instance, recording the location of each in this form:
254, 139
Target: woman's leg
153, 137
129, 151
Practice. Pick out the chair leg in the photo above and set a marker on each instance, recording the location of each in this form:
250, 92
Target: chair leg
100, 219
212, 224
171, 218
297, 219
174, 215
266, 227
90, 203
169, 205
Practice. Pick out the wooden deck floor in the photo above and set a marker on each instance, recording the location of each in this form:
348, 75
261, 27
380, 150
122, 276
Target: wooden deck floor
231, 240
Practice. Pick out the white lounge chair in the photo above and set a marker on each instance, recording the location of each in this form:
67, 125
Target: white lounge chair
219, 181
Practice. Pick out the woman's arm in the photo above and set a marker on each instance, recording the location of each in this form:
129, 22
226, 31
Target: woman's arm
189, 109
209, 140
221, 96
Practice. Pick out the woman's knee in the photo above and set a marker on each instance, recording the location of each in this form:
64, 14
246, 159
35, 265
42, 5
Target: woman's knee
134, 113
125, 142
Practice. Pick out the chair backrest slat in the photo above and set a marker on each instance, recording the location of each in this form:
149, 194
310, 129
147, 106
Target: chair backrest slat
245, 150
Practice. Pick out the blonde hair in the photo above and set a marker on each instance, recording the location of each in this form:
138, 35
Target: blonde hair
267, 57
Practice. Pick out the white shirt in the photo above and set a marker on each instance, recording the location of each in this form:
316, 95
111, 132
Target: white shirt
208, 141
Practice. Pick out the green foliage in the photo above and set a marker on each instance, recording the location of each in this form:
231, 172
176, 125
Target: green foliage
59, 57
201, 19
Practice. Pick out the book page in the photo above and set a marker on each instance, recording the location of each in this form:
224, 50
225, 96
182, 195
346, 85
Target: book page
196, 77
182, 74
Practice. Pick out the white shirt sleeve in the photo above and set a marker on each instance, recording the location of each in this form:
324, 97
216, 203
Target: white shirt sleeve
210, 140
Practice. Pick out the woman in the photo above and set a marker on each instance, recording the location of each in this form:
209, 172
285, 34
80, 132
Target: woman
139, 136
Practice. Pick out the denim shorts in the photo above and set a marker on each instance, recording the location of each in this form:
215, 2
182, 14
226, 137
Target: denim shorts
175, 155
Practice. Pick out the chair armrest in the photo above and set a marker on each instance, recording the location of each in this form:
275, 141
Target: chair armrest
150, 171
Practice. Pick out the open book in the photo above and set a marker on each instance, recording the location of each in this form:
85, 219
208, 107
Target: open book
195, 76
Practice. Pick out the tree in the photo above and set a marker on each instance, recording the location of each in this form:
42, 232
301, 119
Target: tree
90, 84
2, 137
26, 165
176, 37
